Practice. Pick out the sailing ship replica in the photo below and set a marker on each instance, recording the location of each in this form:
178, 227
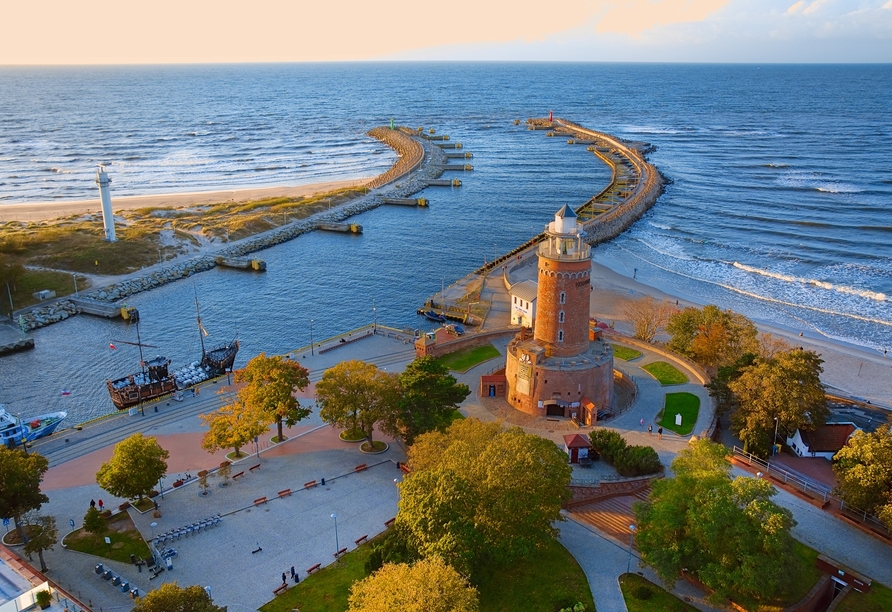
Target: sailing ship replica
155, 379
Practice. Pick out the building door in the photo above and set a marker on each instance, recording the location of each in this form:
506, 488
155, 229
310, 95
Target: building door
492, 390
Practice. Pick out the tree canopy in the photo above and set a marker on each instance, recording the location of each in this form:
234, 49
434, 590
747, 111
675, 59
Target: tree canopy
786, 386
172, 598
233, 426
44, 536
648, 317
428, 585
136, 466
711, 336
428, 396
356, 395
863, 470
20, 476
728, 533
478, 494
94, 522
269, 386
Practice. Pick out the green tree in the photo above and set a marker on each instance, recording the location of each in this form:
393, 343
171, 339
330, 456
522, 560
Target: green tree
477, 494
648, 317
20, 476
719, 386
171, 597
711, 336
428, 585
728, 533
94, 522
428, 396
356, 395
233, 426
136, 466
863, 470
786, 386
269, 386
44, 536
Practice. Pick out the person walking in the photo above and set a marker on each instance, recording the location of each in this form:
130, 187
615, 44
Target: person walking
660, 433
292, 571
641, 422
284, 581
100, 505
296, 577
92, 503
650, 430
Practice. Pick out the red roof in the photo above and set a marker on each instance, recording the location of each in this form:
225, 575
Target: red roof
827, 438
576, 441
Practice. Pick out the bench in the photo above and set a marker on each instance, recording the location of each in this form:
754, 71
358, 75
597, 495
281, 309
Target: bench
285, 493
234, 476
281, 589
310, 570
259, 500
340, 552
256, 467
360, 467
310, 485
360, 540
389, 522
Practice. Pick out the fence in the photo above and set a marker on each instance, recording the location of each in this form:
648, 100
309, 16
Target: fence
803, 483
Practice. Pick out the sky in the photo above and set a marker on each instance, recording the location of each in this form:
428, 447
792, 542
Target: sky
217, 31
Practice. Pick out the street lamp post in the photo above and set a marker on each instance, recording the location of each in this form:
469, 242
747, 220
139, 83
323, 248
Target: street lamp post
337, 545
74, 276
375, 315
631, 536
161, 486
153, 525
774, 440
311, 337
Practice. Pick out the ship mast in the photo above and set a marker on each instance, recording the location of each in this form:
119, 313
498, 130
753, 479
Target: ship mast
201, 331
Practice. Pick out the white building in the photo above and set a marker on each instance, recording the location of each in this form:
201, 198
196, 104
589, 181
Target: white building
825, 441
523, 303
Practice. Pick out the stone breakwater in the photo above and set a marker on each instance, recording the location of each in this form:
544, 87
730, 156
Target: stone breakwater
422, 156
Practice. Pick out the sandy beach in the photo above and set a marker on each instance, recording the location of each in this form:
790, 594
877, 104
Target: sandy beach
45, 211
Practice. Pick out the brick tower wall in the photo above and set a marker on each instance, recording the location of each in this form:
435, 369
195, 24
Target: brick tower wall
573, 279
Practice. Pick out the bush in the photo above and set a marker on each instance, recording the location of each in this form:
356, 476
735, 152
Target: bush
637, 461
607, 443
628, 460
643, 593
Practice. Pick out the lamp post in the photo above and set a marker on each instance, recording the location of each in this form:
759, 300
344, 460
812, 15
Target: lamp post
774, 440
153, 525
631, 536
337, 545
375, 315
161, 486
311, 337
74, 276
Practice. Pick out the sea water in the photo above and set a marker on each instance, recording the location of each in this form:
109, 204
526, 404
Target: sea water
779, 203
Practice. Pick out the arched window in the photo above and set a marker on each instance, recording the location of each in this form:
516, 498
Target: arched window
563, 298
561, 336
561, 316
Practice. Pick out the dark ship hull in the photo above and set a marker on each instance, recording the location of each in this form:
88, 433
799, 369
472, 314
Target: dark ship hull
134, 389
218, 360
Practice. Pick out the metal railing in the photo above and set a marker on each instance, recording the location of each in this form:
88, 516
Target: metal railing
803, 483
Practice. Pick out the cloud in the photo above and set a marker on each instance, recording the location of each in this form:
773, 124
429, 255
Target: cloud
795, 8
633, 17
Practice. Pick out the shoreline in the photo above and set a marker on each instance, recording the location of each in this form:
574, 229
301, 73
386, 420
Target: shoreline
851, 370
48, 211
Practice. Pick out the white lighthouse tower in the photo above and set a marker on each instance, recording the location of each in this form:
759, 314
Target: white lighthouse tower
108, 219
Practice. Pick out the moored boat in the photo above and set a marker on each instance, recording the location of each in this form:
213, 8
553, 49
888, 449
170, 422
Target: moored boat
434, 316
153, 381
13, 431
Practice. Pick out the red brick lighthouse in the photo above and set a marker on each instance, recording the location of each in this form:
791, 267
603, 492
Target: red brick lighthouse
560, 371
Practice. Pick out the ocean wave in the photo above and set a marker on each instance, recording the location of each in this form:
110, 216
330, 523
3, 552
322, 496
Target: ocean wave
865, 293
811, 181
775, 165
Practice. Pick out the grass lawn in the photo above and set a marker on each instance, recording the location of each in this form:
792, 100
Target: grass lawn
125, 538
465, 359
553, 577
686, 404
625, 353
37, 280
353, 435
658, 600
666, 373
879, 599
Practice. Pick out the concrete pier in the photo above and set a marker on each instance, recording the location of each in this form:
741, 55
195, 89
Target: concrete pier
258, 265
421, 202
443, 145
12, 339
443, 183
99, 308
344, 228
457, 168
459, 155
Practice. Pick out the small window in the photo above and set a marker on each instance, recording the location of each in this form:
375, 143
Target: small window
561, 336
563, 298
515, 299
561, 317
